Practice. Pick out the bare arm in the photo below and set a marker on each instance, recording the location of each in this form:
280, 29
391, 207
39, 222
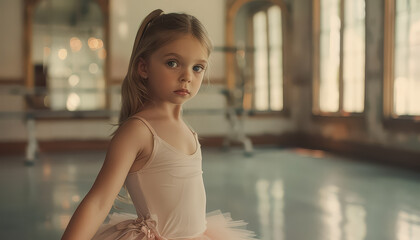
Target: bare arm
93, 209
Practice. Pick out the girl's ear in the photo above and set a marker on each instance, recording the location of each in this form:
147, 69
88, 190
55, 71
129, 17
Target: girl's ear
142, 68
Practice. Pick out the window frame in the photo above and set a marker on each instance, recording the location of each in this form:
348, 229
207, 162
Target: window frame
316, 111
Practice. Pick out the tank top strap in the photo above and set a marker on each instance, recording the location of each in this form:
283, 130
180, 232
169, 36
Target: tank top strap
191, 129
146, 123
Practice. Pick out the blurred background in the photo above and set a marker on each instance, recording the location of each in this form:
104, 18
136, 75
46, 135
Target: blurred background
310, 112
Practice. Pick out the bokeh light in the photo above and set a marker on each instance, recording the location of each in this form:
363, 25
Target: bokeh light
75, 44
93, 68
73, 102
62, 53
73, 80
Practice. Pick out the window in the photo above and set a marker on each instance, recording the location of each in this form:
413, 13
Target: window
254, 55
268, 71
339, 64
402, 59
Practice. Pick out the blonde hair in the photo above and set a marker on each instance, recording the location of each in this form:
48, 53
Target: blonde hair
156, 30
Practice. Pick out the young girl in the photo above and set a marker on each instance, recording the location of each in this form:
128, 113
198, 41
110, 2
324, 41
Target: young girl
153, 152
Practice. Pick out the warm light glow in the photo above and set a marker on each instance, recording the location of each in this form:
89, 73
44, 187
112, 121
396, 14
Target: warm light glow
73, 102
355, 224
406, 97
354, 56
95, 43
408, 226
100, 43
262, 188
329, 56
407, 59
277, 192
276, 69
92, 43
62, 53
93, 68
332, 216
260, 61
75, 44
102, 53
271, 208
73, 80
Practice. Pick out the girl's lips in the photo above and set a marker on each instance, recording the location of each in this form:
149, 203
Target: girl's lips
182, 92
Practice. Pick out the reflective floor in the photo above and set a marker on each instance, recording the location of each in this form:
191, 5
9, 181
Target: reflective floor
292, 194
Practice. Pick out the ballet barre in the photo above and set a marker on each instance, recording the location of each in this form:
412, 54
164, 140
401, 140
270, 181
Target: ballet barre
30, 117
234, 116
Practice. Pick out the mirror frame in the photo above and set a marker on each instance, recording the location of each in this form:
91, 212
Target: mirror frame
29, 8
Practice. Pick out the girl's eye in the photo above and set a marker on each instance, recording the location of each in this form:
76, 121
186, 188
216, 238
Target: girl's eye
172, 64
198, 68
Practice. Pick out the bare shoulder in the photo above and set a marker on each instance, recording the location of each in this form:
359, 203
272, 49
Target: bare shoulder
133, 132
135, 127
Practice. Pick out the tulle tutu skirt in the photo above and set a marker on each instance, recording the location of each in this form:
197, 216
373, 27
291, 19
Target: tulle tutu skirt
220, 226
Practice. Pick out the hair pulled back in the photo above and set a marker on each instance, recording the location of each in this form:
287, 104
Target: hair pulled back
156, 30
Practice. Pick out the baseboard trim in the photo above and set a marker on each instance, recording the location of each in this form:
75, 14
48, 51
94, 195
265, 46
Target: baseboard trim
11, 81
12, 148
362, 151
19, 148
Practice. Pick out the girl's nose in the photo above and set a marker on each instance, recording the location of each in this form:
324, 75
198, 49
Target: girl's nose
186, 76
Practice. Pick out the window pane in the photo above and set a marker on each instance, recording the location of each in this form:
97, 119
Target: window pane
407, 58
261, 61
329, 56
354, 56
276, 63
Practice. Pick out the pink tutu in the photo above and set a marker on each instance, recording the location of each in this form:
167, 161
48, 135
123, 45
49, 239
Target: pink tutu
125, 226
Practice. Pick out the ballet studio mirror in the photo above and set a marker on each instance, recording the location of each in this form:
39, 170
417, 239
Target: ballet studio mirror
65, 54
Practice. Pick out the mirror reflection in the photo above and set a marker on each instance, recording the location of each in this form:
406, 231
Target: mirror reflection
68, 55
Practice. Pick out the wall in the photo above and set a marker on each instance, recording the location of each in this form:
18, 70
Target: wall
125, 18
11, 54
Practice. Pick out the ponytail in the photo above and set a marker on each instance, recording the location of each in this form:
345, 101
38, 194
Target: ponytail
134, 93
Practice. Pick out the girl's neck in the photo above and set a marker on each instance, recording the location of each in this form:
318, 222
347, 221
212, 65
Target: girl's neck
162, 110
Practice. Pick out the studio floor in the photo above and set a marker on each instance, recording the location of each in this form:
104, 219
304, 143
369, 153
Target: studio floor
292, 194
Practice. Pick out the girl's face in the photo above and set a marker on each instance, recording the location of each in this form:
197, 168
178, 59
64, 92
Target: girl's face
176, 70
